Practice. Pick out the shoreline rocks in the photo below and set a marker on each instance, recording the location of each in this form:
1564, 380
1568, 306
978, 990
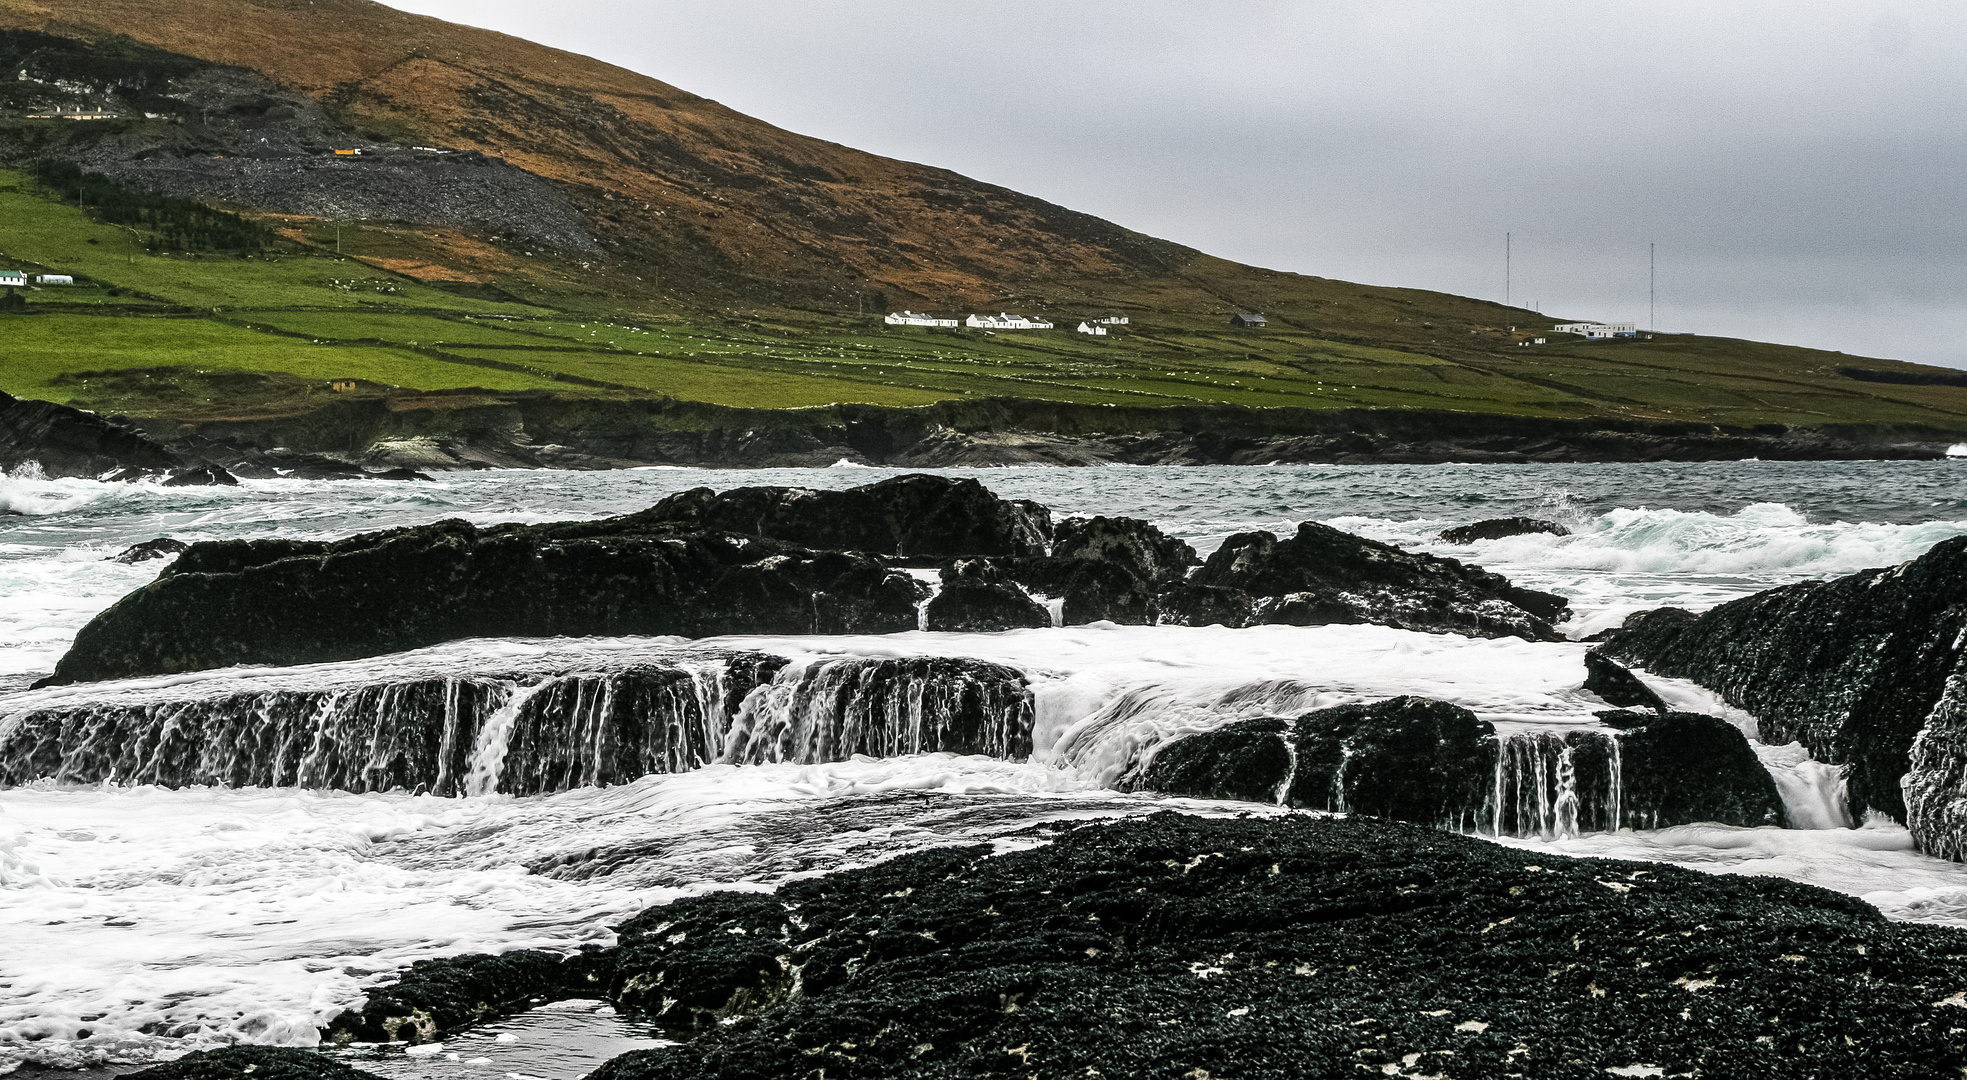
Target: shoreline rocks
1858, 669
1265, 946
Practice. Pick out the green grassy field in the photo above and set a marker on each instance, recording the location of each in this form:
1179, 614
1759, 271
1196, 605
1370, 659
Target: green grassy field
307, 314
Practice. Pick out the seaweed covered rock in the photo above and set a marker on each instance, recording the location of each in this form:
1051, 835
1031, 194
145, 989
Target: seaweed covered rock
253, 1063
1286, 946
1321, 575
977, 596
1137, 545
1497, 528
1190, 604
435, 997
1854, 669
911, 516
703, 959
293, 602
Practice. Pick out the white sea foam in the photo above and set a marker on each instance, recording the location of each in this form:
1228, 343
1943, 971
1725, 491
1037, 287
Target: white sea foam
223, 915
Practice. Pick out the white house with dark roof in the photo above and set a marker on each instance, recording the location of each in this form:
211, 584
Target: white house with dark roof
1597, 330
12, 279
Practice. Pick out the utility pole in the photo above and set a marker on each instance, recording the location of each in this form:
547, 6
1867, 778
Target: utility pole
1652, 292
1505, 269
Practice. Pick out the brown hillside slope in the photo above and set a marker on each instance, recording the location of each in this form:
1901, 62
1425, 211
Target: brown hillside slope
669, 177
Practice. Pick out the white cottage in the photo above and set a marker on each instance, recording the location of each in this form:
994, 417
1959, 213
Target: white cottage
56, 279
12, 279
1005, 321
910, 318
1093, 329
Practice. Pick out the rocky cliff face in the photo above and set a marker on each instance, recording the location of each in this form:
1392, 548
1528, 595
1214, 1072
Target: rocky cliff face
60, 441
1861, 670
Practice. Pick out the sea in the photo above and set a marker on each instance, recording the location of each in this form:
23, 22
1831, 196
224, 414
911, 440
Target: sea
138, 922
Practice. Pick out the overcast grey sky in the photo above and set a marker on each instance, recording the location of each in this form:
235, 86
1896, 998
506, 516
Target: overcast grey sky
1800, 164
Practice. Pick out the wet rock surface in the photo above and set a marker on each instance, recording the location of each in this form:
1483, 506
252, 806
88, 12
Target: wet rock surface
979, 597
1107, 569
912, 516
233, 602
1852, 668
63, 441
1284, 947
436, 997
256, 1062
1617, 686
161, 548
1321, 575
1497, 528
1435, 763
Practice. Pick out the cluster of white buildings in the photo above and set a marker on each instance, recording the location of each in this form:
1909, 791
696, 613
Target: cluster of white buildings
1003, 320
1596, 330
14, 279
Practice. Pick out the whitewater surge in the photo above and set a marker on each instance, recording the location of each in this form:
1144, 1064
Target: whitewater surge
138, 919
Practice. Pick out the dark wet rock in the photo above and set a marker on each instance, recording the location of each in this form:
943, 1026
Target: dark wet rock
254, 1062
293, 602
200, 476
1678, 767
1249, 760
1406, 758
1433, 763
398, 474
1497, 528
161, 548
978, 596
914, 516
1206, 605
1287, 947
1321, 576
436, 997
64, 441
1107, 569
1139, 546
1854, 669
1617, 686
700, 960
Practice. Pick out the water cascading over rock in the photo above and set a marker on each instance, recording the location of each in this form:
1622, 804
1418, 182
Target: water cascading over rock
527, 733
1434, 763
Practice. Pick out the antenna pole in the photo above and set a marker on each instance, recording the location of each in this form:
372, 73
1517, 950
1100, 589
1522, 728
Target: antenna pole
1506, 253
1652, 291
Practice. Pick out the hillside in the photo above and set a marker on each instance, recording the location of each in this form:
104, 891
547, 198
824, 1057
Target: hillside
524, 221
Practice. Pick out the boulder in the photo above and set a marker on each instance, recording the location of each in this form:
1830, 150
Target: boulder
704, 959
1322, 575
1107, 569
1434, 763
1678, 767
1206, 605
1497, 528
161, 548
236, 602
977, 596
1618, 687
915, 516
1855, 669
1129, 542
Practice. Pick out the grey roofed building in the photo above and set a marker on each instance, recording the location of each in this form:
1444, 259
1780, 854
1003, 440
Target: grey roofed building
1248, 319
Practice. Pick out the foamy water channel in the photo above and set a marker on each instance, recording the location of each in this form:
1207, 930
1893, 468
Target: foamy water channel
136, 922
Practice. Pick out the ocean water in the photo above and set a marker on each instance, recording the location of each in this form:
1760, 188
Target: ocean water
137, 922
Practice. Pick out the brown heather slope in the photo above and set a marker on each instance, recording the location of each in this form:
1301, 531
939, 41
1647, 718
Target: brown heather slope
669, 178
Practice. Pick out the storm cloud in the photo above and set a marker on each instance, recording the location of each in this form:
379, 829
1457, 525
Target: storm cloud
1798, 165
